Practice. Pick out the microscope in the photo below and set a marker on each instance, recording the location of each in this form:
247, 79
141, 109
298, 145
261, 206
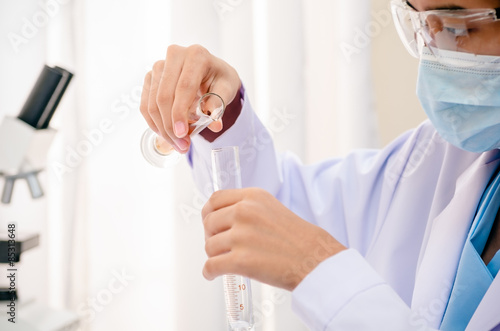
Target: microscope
24, 143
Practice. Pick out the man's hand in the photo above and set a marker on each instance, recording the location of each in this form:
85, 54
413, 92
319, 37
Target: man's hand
172, 86
250, 233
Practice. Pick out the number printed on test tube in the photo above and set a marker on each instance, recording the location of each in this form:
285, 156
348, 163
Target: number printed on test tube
237, 289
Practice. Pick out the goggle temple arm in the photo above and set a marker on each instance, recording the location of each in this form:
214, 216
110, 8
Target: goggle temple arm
415, 9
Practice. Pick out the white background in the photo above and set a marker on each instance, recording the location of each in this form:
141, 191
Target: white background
112, 212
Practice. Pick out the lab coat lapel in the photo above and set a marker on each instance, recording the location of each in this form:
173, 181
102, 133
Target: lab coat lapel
439, 262
487, 315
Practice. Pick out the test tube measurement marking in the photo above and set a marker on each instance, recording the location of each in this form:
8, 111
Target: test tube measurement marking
237, 288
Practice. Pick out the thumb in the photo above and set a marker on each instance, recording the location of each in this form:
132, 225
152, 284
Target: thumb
213, 105
225, 94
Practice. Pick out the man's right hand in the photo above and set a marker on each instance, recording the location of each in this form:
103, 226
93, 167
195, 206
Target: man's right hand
172, 86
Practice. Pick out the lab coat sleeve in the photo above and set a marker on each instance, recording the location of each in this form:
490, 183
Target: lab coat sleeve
345, 196
345, 293
348, 197
259, 164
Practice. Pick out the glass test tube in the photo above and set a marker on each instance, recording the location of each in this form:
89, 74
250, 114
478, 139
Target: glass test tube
237, 289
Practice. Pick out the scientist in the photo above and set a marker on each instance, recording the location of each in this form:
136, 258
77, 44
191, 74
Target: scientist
403, 238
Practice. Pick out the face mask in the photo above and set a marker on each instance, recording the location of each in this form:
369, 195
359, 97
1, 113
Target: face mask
462, 100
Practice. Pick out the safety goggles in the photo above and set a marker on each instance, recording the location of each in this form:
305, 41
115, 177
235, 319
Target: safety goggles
441, 31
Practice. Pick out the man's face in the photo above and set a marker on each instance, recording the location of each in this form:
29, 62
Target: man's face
482, 39
422, 5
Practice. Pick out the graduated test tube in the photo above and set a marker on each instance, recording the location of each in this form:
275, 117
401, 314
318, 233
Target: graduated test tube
237, 289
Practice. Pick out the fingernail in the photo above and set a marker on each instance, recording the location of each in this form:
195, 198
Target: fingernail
180, 129
182, 144
177, 149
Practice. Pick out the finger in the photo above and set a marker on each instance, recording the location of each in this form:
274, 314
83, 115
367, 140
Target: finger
170, 76
226, 89
166, 93
219, 265
216, 126
221, 199
214, 106
190, 80
219, 244
145, 101
217, 221
153, 110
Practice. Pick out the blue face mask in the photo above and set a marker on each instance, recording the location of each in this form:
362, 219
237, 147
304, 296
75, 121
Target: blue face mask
462, 101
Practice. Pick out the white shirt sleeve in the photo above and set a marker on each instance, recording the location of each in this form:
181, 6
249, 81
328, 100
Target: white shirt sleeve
346, 197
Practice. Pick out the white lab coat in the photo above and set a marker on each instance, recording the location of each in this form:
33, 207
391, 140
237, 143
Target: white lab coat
403, 211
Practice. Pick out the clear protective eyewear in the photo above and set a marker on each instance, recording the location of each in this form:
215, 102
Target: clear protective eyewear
441, 31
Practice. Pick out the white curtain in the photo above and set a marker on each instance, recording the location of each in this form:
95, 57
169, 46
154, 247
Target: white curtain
126, 241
